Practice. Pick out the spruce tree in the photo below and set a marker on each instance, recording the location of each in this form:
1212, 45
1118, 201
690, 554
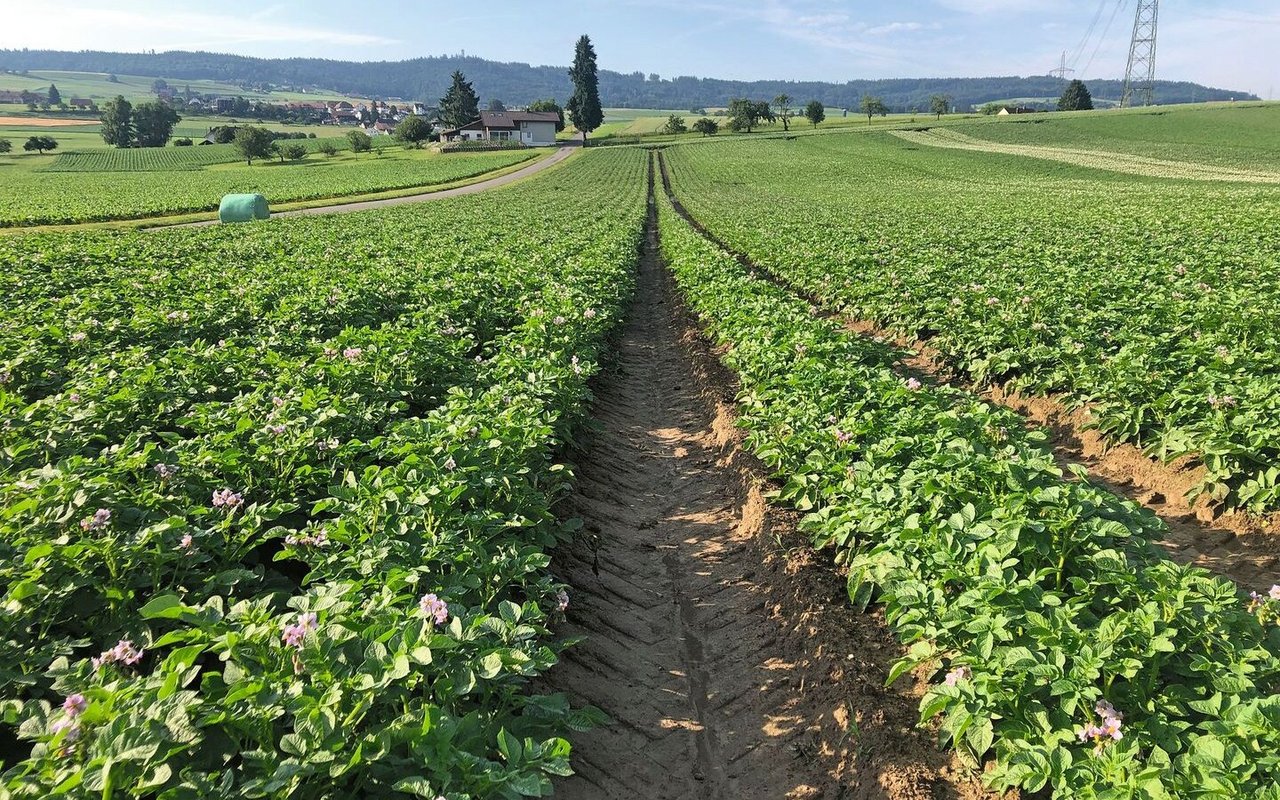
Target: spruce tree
55, 97
460, 105
584, 106
1076, 97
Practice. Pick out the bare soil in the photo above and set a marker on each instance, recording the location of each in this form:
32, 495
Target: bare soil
43, 122
1243, 547
721, 646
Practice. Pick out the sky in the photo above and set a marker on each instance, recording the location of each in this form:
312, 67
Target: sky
1225, 43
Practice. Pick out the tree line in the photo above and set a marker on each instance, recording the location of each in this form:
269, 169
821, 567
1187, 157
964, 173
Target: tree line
520, 83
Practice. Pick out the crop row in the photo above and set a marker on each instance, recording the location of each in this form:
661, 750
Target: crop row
143, 159
1155, 303
52, 198
284, 535
163, 159
1059, 646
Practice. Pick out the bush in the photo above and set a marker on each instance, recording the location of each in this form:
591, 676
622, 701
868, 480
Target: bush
184, 142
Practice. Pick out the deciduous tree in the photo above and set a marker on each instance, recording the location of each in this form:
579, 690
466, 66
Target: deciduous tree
744, 115
549, 105
584, 106
782, 108
815, 112
253, 143
872, 106
328, 148
153, 123
675, 124
940, 104
117, 122
413, 131
360, 141
5, 145
707, 126
40, 144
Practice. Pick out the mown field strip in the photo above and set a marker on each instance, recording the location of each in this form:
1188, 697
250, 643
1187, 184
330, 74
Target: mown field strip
1095, 159
1054, 633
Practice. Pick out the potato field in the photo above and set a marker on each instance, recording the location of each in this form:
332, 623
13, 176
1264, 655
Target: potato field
704, 470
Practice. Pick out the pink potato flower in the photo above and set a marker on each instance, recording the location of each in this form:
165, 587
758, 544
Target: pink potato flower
227, 499
123, 653
295, 634
434, 608
100, 519
74, 705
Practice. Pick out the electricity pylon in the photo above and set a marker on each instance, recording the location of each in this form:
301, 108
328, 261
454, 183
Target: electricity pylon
1063, 70
1140, 75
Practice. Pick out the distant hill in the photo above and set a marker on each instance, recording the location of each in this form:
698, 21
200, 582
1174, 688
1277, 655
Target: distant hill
516, 83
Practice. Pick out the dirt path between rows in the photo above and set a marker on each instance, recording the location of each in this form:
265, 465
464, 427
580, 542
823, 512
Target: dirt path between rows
727, 658
1242, 547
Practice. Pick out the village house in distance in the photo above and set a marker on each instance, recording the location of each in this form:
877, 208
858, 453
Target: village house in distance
530, 128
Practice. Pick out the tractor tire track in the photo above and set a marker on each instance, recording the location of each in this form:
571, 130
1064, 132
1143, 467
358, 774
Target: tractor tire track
724, 653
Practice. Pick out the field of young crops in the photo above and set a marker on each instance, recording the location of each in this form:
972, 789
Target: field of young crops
1157, 302
143, 159
1060, 646
50, 198
1236, 136
276, 499
162, 159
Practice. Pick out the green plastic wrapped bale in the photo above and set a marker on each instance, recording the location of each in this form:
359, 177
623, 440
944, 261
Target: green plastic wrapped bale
243, 208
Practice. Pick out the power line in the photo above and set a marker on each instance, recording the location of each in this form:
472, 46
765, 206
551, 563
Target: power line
1084, 40
1115, 12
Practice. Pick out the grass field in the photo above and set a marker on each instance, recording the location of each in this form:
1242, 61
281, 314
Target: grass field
95, 86
1241, 135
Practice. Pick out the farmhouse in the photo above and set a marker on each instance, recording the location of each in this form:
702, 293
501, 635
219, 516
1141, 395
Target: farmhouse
532, 128
80, 102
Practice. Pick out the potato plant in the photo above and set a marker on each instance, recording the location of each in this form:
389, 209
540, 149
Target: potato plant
1154, 302
277, 500
1064, 653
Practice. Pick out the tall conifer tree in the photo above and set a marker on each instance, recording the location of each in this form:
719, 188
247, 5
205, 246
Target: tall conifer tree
584, 106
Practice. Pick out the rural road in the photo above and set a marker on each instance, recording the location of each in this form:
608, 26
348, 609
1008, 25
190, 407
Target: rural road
345, 208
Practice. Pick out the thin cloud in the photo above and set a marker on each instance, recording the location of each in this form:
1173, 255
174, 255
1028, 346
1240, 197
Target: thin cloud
88, 28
